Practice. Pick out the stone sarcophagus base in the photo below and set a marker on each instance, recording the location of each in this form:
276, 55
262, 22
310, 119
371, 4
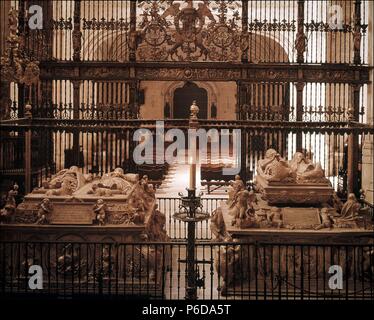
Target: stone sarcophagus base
280, 193
91, 233
278, 260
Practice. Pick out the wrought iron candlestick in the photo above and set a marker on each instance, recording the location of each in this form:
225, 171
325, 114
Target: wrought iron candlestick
190, 212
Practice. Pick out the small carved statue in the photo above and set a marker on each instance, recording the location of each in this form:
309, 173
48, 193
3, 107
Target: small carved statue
106, 262
326, 220
44, 211
273, 167
100, 211
276, 217
243, 212
144, 182
217, 225
235, 188
304, 170
10, 204
357, 40
149, 193
301, 42
65, 263
138, 214
194, 109
350, 210
228, 264
155, 225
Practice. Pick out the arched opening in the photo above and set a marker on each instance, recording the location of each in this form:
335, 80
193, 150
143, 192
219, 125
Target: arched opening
183, 98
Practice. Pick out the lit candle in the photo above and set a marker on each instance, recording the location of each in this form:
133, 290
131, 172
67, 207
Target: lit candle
194, 110
192, 175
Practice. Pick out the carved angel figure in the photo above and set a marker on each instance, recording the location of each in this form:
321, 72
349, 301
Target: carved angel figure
44, 211
100, 211
276, 217
243, 211
234, 189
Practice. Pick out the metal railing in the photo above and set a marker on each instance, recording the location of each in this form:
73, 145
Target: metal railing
176, 229
254, 271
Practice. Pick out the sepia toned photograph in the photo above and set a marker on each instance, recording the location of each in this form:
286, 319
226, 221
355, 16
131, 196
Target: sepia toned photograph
199, 152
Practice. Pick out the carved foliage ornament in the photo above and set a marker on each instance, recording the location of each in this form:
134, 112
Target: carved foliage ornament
16, 65
189, 31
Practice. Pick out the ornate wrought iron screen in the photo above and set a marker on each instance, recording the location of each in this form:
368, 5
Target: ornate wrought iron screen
293, 62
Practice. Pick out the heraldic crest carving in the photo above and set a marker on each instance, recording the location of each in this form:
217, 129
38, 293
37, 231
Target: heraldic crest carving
189, 31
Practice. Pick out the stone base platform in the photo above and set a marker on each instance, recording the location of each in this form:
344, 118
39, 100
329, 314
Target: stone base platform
302, 219
294, 193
